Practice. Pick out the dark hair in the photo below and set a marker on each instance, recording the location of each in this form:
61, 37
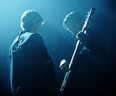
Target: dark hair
71, 18
30, 17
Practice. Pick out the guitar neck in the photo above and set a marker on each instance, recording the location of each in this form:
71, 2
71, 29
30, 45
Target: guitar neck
90, 13
78, 47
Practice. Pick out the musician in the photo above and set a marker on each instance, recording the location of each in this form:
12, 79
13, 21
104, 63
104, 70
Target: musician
87, 70
31, 67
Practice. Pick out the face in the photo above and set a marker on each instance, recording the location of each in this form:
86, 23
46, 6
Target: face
74, 27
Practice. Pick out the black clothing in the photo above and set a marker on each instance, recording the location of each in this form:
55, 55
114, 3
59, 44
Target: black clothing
33, 71
87, 77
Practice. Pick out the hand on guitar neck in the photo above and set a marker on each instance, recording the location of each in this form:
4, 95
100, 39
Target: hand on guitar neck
83, 37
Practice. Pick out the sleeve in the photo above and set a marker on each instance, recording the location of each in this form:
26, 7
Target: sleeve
11, 70
96, 44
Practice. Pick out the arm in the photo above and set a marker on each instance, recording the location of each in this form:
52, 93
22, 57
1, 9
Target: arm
11, 70
94, 42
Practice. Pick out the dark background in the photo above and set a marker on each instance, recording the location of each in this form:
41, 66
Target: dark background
59, 42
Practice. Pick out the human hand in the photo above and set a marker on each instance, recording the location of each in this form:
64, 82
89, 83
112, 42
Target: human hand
82, 36
63, 65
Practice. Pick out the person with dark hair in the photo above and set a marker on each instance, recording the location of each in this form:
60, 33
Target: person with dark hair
31, 67
87, 72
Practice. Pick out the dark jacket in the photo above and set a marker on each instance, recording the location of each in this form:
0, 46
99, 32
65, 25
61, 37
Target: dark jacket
33, 71
87, 73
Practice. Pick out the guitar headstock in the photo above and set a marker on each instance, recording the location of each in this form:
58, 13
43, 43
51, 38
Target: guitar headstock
90, 13
88, 17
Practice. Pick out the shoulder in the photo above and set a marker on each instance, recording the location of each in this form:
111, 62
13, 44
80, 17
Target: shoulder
30, 37
35, 36
36, 39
